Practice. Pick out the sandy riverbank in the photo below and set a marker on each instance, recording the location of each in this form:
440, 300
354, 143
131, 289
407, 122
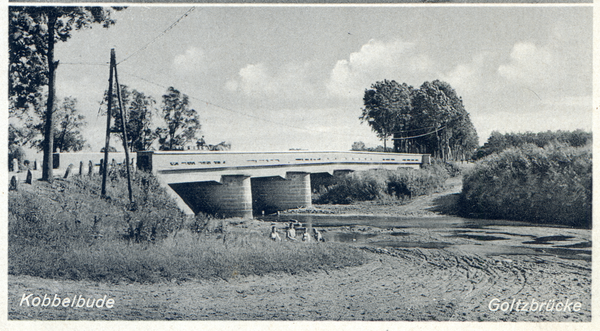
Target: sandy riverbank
454, 281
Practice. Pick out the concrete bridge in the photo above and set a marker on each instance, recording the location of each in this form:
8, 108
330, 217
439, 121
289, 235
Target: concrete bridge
236, 183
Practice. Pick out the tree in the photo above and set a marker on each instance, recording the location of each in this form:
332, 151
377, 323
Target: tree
67, 136
359, 146
182, 121
33, 32
387, 107
430, 119
138, 108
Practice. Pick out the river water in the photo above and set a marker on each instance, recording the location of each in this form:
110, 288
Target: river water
486, 237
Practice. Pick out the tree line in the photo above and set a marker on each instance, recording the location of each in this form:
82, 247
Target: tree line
498, 142
39, 121
430, 119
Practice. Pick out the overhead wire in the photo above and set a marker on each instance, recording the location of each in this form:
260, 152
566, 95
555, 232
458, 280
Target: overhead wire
421, 135
208, 103
170, 27
159, 35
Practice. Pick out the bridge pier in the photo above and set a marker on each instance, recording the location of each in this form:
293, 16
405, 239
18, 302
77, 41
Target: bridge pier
275, 193
231, 197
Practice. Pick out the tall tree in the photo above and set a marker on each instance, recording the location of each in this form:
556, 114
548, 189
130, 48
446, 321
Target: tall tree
33, 32
139, 109
387, 108
430, 119
182, 121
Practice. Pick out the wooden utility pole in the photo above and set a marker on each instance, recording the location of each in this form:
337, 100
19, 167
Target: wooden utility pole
124, 130
108, 116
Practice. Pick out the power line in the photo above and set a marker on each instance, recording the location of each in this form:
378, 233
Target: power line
208, 103
413, 130
159, 35
421, 135
84, 63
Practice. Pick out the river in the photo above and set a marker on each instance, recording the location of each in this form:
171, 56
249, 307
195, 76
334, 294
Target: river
478, 236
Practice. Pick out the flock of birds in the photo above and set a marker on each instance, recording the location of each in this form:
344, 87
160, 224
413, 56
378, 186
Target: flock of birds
290, 233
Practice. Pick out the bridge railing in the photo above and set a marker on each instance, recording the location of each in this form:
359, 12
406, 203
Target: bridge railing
175, 161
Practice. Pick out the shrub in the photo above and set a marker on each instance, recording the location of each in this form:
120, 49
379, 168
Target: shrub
542, 185
400, 184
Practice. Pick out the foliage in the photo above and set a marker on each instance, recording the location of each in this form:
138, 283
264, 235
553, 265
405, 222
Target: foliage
360, 146
65, 230
182, 121
550, 185
28, 43
498, 142
33, 31
138, 108
67, 136
430, 119
401, 184
387, 107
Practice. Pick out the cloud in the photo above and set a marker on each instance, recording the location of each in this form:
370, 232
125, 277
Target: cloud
192, 61
376, 60
530, 64
289, 82
469, 77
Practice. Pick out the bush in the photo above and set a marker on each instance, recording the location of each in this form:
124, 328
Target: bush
542, 185
401, 184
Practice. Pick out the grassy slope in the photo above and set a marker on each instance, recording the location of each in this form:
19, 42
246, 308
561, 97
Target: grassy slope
66, 231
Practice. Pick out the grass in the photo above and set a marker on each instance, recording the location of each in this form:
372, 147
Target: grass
67, 231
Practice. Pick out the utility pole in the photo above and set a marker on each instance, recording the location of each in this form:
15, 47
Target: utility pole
108, 116
124, 131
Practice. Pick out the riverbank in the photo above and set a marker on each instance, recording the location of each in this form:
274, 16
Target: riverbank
447, 273
435, 204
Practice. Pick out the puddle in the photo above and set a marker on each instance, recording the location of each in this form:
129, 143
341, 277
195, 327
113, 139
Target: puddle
511, 234
398, 234
477, 237
563, 253
586, 244
348, 237
412, 244
547, 240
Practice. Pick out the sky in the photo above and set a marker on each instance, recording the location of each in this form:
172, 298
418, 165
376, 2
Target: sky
274, 78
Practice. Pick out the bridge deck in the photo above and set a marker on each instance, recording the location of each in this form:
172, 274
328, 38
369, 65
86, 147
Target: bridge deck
189, 166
